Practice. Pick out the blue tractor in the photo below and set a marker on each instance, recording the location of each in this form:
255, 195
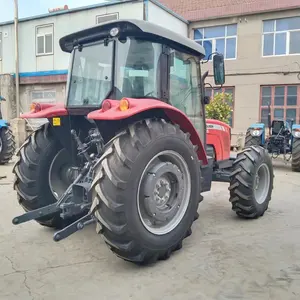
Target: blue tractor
7, 141
283, 139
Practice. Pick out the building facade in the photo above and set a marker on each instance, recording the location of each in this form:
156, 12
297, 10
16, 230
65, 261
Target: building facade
43, 66
261, 46
260, 42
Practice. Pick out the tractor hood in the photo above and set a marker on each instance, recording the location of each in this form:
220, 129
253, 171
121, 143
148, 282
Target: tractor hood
137, 28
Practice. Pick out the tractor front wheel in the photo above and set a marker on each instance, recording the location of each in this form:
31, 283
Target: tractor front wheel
42, 174
7, 145
251, 182
146, 191
296, 155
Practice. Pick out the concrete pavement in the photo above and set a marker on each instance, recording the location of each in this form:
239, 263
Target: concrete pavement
225, 258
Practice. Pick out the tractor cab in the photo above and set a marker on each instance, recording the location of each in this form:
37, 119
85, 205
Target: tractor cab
138, 60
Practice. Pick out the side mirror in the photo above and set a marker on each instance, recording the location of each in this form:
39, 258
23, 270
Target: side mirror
219, 69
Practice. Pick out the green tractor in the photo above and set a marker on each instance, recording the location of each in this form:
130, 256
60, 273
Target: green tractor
121, 155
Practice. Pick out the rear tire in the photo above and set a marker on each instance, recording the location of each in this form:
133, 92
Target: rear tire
247, 201
251, 140
118, 209
296, 156
7, 145
32, 174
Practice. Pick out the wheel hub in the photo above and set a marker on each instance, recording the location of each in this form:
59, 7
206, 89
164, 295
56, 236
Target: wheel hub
61, 173
257, 178
262, 183
162, 191
164, 194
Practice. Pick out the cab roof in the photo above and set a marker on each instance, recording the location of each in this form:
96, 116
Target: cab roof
130, 27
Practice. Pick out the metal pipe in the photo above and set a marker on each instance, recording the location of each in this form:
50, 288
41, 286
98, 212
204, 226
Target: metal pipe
145, 10
17, 59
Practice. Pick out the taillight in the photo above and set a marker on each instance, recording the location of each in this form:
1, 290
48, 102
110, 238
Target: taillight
35, 107
124, 104
106, 105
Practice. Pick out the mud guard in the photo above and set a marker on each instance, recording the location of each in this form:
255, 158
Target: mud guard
46, 110
137, 106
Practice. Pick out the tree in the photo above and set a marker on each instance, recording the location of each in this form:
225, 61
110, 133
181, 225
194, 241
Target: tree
220, 107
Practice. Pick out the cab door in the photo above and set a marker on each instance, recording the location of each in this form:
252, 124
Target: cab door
184, 89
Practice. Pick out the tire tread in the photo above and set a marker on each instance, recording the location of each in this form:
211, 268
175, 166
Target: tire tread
241, 183
8, 145
115, 170
296, 155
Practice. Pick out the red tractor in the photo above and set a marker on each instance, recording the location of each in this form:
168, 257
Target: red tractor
131, 150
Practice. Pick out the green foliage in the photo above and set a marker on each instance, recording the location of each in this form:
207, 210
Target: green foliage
220, 107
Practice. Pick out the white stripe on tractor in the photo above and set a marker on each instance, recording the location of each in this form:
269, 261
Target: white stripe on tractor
215, 126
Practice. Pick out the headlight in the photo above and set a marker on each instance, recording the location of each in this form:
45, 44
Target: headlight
114, 32
296, 134
256, 132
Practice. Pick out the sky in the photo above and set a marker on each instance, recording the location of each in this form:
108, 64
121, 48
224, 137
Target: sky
28, 8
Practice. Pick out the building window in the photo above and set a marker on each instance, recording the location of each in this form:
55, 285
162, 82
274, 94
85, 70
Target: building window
281, 36
107, 18
0, 45
43, 96
284, 102
44, 40
229, 90
222, 39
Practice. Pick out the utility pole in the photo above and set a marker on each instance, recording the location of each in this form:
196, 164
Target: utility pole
17, 58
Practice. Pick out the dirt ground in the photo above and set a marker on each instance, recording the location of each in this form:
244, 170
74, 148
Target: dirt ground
225, 258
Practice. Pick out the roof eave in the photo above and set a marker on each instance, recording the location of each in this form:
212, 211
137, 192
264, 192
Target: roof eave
243, 14
69, 11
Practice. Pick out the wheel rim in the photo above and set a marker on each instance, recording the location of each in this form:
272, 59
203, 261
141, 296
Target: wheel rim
60, 173
261, 183
163, 192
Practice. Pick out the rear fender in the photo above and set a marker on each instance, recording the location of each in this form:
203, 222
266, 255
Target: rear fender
46, 110
3, 124
258, 129
138, 106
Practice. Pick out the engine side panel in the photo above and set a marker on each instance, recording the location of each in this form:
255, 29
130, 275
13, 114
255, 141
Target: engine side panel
218, 135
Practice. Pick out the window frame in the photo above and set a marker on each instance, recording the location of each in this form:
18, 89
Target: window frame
222, 90
217, 38
274, 32
284, 106
43, 92
51, 32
